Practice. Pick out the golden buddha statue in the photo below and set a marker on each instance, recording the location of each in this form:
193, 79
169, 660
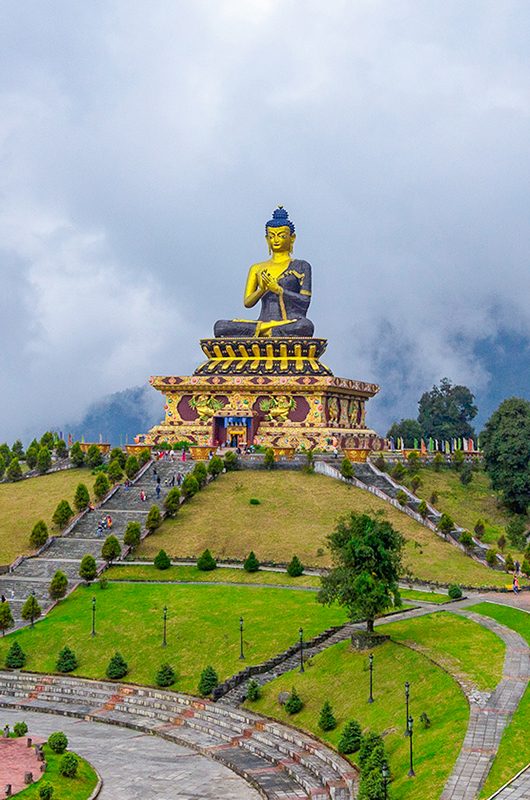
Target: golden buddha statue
283, 285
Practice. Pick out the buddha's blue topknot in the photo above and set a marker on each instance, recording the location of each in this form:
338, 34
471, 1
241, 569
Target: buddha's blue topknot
280, 218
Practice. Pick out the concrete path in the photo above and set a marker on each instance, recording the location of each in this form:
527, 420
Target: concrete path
138, 766
489, 718
517, 789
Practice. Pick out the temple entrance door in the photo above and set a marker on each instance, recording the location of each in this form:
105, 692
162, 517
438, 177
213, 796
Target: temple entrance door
232, 431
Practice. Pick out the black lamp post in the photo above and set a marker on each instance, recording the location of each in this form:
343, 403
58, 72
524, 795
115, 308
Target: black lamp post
301, 633
93, 616
385, 775
407, 693
371, 668
241, 653
411, 772
164, 640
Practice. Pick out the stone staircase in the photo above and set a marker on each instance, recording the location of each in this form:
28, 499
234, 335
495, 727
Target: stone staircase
237, 686
34, 573
282, 763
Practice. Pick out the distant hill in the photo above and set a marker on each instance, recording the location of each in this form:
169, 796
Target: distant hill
119, 417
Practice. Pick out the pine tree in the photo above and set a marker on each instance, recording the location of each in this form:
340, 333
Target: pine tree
133, 534
101, 485
327, 721
294, 704
81, 497
44, 460
350, 738
88, 568
16, 657
39, 534
253, 691
215, 466
251, 563
295, 568
131, 467
115, 471
31, 610
77, 456
111, 549
162, 560
190, 486
154, 519
94, 457
117, 667
67, 660
62, 514
14, 470
200, 473
172, 502
117, 454
206, 562
6, 618
208, 681
58, 585
165, 676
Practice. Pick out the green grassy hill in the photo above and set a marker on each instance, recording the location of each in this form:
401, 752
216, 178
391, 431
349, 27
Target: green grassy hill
24, 502
295, 514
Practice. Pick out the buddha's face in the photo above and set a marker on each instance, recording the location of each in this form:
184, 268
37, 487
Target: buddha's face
280, 240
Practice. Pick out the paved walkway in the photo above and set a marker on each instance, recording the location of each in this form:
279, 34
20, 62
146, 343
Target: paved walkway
16, 758
139, 766
518, 789
490, 716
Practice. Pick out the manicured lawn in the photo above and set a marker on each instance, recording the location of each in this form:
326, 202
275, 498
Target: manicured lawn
127, 572
427, 597
340, 675
24, 502
466, 504
461, 646
203, 628
296, 513
78, 788
514, 750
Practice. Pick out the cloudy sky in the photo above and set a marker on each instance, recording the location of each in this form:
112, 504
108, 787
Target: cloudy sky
143, 145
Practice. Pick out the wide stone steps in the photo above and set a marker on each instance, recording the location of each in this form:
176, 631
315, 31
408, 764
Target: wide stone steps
281, 762
66, 548
46, 568
15, 588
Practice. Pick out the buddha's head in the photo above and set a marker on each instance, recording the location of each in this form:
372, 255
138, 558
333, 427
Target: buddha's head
279, 232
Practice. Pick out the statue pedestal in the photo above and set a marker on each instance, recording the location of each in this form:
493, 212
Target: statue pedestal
263, 356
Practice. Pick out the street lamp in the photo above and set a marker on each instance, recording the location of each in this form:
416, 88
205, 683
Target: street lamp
241, 653
93, 616
301, 633
411, 772
385, 775
164, 640
407, 693
371, 668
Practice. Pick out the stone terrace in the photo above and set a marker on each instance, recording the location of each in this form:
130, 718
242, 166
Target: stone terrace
33, 574
281, 762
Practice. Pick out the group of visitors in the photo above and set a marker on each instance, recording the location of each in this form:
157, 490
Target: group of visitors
104, 524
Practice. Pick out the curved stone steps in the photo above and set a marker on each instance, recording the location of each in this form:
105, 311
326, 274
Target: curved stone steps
281, 762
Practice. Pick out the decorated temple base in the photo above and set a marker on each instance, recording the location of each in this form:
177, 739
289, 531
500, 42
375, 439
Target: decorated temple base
268, 392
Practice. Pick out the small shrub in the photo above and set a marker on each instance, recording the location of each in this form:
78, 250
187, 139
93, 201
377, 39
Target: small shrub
501, 542
491, 557
446, 524
413, 462
58, 742
206, 562
438, 462
415, 483
144, 456
215, 466
62, 514
44, 460
81, 497
433, 499
268, 459
253, 691
398, 472
208, 681
295, 568
14, 470
154, 519
466, 474
88, 568
380, 463
101, 485
454, 591
94, 457
103, 582
294, 703
424, 720
480, 528
423, 510
402, 497
165, 676
162, 560
327, 721
131, 467
133, 533
172, 502
525, 567
67, 660
231, 461
117, 667
115, 472
68, 765
350, 738
346, 469
254, 501
190, 486
58, 585
31, 609
369, 742
20, 729
200, 473
16, 657
251, 563
77, 456
458, 459
39, 534
111, 549
509, 566
117, 454
466, 540
46, 791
